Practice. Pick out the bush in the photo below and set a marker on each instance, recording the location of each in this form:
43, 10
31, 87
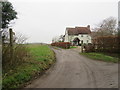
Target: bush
41, 57
20, 53
89, 48
65, 45
107, 44
104, 44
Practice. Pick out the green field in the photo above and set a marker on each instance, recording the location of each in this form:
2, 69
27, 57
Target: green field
41, 53
100, 56
41, 57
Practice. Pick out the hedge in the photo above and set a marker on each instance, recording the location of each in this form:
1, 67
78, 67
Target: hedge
105, 44
65, 45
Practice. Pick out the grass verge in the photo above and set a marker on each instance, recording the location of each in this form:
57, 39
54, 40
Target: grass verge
40, 59
100, 56
72, 47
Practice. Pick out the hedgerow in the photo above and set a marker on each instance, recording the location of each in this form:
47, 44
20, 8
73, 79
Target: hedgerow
65, 45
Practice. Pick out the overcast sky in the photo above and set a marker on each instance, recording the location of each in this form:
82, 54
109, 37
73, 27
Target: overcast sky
41, 20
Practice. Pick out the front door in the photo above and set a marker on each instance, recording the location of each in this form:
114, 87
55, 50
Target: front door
76, 42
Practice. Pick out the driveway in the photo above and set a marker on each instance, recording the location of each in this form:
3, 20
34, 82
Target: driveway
76, 71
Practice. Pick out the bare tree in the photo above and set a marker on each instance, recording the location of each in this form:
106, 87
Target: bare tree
55, 39
20, 38
107, 27
58, 38
61, 38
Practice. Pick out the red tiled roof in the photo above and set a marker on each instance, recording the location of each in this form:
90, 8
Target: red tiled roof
78, 30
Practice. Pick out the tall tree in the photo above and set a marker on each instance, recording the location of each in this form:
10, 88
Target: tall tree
8, 13
107, 27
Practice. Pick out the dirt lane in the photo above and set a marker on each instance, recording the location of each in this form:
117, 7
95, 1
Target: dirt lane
75, 71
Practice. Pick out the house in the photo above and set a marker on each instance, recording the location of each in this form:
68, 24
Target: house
78, 35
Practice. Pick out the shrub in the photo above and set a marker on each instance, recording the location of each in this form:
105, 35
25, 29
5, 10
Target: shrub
104, 44
20, 52
65, 45
89, 48
107, 44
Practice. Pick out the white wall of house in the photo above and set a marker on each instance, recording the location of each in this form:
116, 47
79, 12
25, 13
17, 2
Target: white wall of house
86, 38
66, 37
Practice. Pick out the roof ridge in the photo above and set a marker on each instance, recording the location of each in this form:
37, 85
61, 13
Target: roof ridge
81, 27
69, 27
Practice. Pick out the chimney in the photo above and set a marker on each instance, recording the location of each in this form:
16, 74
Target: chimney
88, 26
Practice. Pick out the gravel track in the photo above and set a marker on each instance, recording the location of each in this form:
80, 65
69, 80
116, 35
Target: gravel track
76, 71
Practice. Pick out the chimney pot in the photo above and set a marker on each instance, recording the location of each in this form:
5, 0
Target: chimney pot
88, 26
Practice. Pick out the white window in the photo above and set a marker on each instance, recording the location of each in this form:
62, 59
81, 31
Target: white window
81, 41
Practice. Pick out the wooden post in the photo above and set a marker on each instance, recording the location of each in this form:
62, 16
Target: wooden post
11, 45
3, 39
82, 46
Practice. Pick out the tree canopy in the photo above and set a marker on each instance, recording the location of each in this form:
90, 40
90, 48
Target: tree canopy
8, 13
107, 27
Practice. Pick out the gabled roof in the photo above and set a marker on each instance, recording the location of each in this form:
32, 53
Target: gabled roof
78, 30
